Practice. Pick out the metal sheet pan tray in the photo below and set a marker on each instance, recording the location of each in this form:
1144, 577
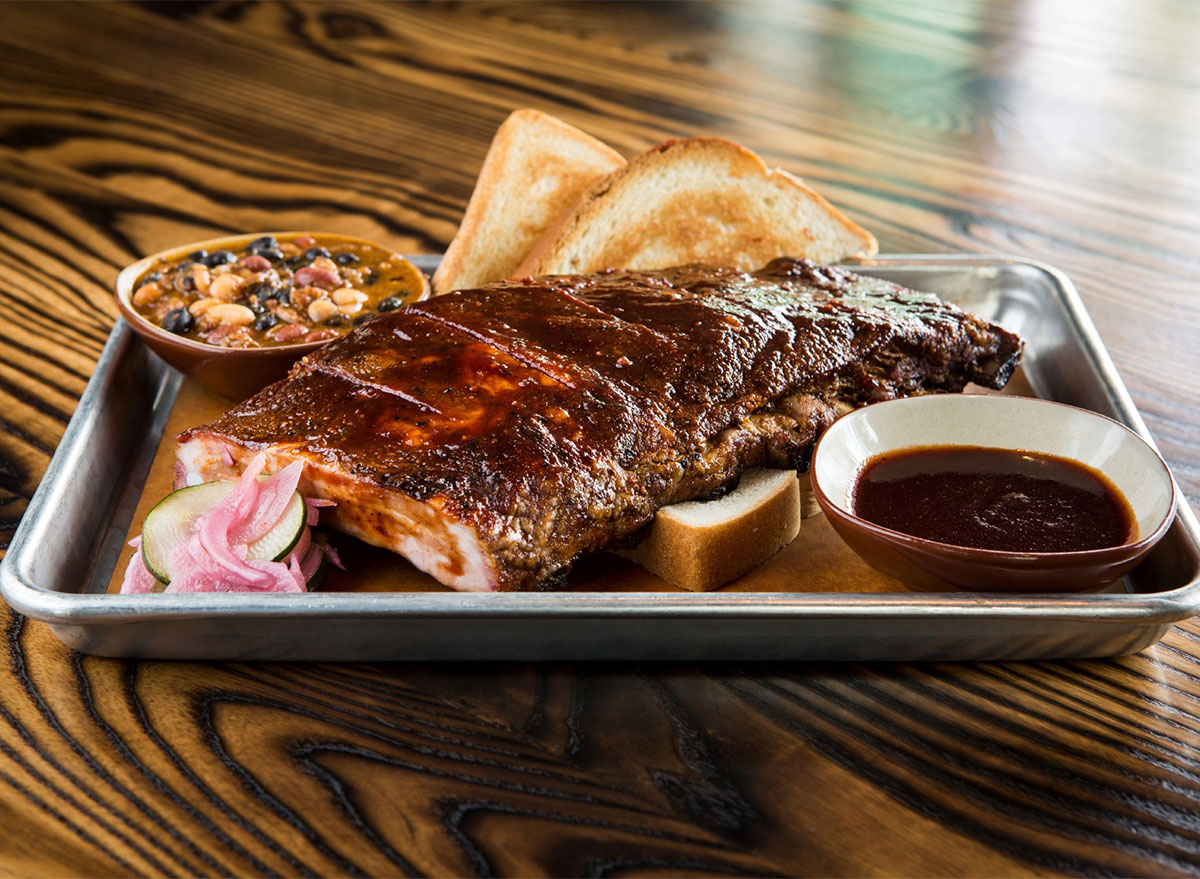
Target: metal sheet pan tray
63, 555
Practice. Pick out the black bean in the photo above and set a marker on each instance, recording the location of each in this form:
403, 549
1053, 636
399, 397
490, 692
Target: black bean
150, 278
181, 277
390, 304
219, 258
266, 242
314, 252
178, 320
346, 258
265, 321
256, 306
261, 291
369, 277
284, 293
274, 254
197, 255
293, 261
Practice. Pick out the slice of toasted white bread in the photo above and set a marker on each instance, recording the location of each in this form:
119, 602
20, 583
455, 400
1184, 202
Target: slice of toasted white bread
704, 200
536, 169
700, 545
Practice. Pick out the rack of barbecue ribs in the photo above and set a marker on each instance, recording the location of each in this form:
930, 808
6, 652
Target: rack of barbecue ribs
492, 436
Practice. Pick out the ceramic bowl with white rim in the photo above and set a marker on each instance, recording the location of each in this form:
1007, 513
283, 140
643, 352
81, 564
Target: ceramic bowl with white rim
1003, 422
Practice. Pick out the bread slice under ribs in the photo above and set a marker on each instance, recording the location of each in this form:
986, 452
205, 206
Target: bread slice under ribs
494, 435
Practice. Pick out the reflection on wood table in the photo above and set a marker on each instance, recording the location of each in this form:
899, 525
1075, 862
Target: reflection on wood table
1034, 129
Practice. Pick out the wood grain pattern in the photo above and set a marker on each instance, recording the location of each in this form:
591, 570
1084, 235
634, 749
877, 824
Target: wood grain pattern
1035, 128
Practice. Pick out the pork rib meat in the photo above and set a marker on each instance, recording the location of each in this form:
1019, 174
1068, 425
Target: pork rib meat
492, 436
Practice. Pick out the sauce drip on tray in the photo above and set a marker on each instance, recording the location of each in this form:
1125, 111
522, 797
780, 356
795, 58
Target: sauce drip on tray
995, 499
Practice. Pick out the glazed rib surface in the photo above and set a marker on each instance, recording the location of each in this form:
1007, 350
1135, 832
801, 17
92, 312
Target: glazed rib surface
494, 435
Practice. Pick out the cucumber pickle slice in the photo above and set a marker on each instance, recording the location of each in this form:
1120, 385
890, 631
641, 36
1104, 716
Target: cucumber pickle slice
170, 523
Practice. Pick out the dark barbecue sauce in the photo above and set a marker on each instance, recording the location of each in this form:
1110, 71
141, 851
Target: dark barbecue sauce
992, 499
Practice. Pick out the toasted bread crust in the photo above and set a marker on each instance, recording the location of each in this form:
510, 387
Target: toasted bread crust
703, 200
535, 169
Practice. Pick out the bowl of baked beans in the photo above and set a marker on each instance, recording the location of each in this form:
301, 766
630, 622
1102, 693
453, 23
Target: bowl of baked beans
235, 313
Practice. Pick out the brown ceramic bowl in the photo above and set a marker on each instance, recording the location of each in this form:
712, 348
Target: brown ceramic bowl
232, 372
991, 421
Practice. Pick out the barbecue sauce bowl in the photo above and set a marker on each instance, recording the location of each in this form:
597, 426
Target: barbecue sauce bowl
238, 372
1128, 463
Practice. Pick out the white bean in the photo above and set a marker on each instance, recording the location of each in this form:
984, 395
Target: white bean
231, 313
201, 277
200, 306
321, 310
348, 296
225, 287
146, 294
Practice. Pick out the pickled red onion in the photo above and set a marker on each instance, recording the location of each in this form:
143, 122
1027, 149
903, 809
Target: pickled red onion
137, 578
213, 557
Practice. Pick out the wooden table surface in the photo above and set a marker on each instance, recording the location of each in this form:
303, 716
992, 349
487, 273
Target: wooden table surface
1057, 132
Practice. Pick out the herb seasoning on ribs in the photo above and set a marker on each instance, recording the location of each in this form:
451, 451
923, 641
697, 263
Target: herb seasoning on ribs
494, 435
